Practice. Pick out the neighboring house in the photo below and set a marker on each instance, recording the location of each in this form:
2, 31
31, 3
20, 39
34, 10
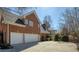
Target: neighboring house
52, 33
43, 33
20, 29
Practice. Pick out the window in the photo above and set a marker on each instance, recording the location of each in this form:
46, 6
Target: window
26, 22
30, 23
20, 21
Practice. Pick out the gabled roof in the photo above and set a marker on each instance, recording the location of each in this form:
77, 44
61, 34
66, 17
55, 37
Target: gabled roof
33, 11
42, 30
4, 11
11, 17
8, 16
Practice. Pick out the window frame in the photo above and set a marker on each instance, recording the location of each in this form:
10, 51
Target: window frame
31, 23
27, 22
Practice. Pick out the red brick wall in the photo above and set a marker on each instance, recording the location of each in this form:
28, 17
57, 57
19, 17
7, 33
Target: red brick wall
3, 27
28, 29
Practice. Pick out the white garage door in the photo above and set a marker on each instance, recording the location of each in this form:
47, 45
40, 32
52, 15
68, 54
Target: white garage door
16, 38
31, 37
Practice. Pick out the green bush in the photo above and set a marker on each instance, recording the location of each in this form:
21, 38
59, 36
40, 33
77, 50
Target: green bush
64, 38
56, 37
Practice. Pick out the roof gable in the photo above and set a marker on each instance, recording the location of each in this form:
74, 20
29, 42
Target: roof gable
8, 16
32, 12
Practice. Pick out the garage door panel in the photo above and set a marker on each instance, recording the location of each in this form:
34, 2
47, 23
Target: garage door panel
16, 38
31, 38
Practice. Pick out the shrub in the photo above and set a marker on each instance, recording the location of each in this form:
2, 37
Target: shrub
65, 38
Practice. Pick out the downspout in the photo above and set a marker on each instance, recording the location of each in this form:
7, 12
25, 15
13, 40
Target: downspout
8, 35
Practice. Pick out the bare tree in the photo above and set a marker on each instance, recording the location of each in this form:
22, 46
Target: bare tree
71, 19
47, 21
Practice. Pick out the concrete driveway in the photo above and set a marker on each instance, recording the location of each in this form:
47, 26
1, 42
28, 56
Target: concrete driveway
48, 46
51, 46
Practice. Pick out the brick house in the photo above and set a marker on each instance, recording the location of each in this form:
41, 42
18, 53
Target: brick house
16, 29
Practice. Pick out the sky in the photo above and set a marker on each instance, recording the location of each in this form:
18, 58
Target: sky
54, 12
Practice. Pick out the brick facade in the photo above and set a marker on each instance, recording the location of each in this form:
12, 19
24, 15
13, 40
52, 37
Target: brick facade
27, 29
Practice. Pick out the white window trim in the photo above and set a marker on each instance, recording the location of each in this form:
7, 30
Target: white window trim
27, 22
31, 23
